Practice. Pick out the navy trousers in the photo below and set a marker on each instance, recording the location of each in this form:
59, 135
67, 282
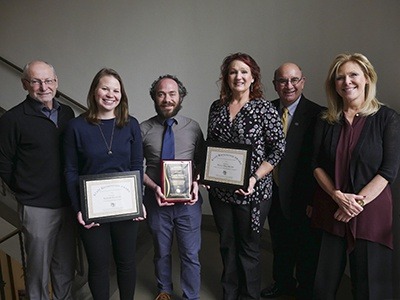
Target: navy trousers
185, 222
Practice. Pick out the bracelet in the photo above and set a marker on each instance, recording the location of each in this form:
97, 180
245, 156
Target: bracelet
255, 176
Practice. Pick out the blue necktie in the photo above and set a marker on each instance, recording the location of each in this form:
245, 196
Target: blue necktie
168, 146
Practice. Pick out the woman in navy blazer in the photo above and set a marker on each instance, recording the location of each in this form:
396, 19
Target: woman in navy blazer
356, 158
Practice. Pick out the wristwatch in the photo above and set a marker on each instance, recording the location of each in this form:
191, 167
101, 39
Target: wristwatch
255, 176
360, 202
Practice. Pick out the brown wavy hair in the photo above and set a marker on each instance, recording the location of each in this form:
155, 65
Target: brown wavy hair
121, 111
256, 90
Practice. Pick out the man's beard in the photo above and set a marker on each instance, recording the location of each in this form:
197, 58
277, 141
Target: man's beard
167, 115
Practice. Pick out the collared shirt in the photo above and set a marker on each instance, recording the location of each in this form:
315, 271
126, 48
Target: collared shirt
189, 142
52, 114
291, 109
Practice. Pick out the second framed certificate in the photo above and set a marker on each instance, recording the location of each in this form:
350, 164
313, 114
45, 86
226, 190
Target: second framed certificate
176, 180
227, 165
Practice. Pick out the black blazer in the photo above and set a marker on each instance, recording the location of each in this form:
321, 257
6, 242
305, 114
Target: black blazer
376, 152
296, 180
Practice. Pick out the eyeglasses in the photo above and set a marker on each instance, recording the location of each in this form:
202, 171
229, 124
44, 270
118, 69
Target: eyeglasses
38, 82
285, 81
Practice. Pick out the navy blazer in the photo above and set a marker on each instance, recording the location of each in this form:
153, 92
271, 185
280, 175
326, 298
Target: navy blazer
296, 180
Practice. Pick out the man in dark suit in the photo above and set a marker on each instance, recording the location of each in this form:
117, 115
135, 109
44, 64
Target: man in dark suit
295, 244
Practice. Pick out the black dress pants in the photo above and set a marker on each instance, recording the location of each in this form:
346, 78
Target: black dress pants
370, 269
295, 247
239, 248
120, 238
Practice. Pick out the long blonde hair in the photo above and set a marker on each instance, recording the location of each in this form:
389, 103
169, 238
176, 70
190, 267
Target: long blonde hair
335, 102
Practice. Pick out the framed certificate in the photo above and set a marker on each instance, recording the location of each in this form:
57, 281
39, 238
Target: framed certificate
176, 180
227, 165
111, 197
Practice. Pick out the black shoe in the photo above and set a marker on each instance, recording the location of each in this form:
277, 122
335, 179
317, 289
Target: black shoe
273, 291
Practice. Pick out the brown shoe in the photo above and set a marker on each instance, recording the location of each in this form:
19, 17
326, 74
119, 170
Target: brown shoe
163, 296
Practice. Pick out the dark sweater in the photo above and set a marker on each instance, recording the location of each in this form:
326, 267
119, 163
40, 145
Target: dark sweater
86, 152
30, 155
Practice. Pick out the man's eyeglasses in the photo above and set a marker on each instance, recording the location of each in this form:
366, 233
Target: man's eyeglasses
285, 81
37, 82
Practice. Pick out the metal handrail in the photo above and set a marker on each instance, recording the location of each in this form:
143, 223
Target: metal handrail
59, 93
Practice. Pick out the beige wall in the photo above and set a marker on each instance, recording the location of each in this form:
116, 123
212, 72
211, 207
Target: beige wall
142, 39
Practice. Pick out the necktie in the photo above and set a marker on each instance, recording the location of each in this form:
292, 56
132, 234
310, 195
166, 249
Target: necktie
285, 119
168, 146
285, 123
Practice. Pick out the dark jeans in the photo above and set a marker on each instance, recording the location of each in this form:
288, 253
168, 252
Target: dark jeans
122, 237
185, 222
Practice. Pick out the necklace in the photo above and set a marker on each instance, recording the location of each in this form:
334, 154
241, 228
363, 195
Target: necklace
109, 152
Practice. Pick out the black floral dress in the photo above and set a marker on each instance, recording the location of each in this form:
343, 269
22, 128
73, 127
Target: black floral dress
257, 124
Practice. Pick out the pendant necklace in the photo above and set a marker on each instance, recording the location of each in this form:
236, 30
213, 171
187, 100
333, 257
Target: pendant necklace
109, 152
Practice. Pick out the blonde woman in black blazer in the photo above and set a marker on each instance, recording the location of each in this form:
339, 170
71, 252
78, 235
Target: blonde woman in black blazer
355, 160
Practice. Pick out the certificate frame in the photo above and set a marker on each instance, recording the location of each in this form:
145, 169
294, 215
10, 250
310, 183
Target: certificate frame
176, 180
111, 197
227, 165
